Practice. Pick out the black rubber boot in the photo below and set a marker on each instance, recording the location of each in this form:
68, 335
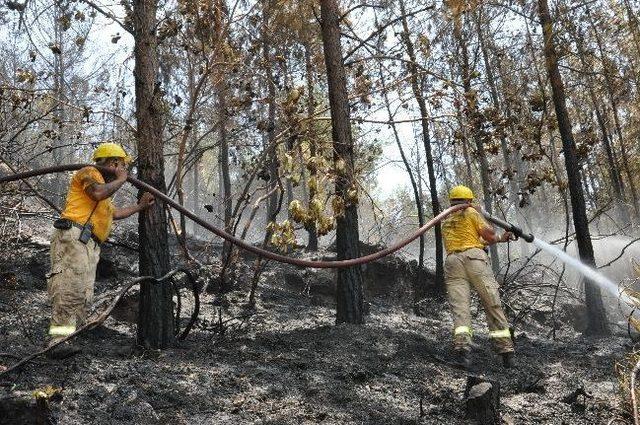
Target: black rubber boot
463, 357
507, 360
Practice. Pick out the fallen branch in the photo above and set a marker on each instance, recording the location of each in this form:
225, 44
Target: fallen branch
182, 241
107, 312
621, 253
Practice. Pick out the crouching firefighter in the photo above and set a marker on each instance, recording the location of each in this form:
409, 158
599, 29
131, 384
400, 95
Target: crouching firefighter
466, 235
85, 223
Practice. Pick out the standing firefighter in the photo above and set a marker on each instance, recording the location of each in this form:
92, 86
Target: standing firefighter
466, 234
75, 246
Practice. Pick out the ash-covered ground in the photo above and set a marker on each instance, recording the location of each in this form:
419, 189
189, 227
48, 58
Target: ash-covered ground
286, 361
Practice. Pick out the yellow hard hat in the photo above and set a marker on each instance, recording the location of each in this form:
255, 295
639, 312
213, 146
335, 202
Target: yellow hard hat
110, 150
461, 192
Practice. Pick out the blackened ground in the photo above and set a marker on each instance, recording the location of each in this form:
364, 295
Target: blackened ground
286, 362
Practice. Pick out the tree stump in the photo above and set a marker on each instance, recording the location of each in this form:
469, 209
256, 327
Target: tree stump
482, 398
19, 407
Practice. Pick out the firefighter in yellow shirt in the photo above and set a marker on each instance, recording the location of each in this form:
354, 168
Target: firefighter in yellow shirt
465, 234
85, 223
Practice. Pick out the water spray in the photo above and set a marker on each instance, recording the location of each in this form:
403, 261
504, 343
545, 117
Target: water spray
575, 263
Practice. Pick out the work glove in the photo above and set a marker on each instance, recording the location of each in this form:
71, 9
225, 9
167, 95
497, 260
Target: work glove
146, 200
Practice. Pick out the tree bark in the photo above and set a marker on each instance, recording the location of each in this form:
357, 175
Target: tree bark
225, 200
349, 294
416, 86
223, 163
155, 318
596, 317
187, 131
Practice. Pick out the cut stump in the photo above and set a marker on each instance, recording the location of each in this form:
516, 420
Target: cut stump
482, 398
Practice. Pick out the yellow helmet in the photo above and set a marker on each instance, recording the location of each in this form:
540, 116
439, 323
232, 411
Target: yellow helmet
461, 192
110, 150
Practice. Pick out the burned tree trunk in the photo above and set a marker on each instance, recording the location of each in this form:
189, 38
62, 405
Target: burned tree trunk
349, 294
223, 164
155, 318
417, 88
597, 320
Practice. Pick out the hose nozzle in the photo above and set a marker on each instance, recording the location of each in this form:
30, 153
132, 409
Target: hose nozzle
518, 232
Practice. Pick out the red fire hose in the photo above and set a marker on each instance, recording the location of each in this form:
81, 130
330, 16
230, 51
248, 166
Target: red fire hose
239, 242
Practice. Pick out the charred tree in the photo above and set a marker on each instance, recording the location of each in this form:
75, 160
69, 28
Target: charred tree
223, 164
155, 317
223, 154
596, 317
417, 88
349, 294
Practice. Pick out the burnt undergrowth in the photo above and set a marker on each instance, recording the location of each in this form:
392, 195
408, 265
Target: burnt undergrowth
283, 360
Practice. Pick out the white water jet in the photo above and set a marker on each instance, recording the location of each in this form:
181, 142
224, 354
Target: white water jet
594, 276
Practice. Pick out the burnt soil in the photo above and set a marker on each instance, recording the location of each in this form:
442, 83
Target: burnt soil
286, 361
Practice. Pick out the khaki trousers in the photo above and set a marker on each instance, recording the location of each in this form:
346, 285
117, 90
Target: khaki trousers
472, 268
70, 283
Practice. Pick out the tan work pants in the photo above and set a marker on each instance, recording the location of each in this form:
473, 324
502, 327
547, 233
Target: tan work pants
472, 268
70, 283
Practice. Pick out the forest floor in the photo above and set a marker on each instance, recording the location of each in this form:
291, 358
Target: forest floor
286, 361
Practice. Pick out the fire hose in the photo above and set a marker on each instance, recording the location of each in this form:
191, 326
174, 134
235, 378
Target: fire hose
259, 251
517, 231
